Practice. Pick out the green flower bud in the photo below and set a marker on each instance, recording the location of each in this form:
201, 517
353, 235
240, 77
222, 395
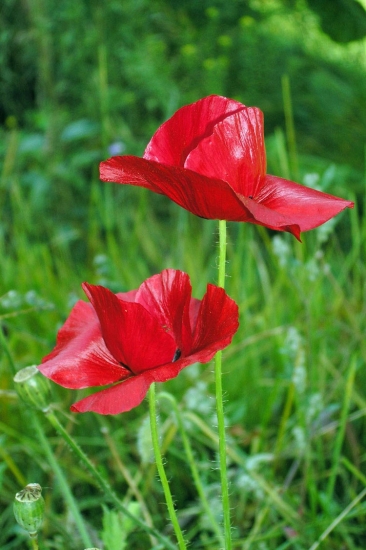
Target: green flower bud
33, 388
29, 508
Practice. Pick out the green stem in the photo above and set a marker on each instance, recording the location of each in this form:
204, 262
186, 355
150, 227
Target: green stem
64, 486
192, 464
5, 347
34, 541
222, 253
103, 483
161, 471
342, 429
219, 401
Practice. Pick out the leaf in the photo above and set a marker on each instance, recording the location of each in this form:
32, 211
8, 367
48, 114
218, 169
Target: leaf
117, 527
343, 20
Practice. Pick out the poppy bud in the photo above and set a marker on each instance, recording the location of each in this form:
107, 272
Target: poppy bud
33, 388
29, 508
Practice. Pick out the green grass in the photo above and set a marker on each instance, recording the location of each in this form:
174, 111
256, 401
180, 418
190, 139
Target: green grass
293, 377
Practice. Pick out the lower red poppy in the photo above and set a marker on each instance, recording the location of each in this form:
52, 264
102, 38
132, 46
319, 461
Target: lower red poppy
129, 340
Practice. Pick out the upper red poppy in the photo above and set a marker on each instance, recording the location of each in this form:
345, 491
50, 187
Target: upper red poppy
133, 339
209, 158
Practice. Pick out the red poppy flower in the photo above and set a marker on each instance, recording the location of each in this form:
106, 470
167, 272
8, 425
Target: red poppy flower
130, 340
209, 158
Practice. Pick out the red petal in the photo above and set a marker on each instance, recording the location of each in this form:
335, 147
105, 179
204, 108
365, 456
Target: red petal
130, 170
118, 399
167, 298
193, 312
261, 215
129, 394
127, 296
206, 197
234, 152
174, 140
296, 204
81, 358
217, 323
133, 336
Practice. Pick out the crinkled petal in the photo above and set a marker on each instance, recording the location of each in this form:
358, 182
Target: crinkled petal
261, 215
206, 197
299, 205
81, 358
166, 297
174, 139
233, 152
193, 312
129, 394
209, 158
127, 296
217, 323
117, 399
133, 336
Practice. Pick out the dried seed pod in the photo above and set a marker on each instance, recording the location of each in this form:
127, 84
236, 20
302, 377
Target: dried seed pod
33, 388
29, 508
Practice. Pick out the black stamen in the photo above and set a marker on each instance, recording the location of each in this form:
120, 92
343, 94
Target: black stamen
126, 367
177, 354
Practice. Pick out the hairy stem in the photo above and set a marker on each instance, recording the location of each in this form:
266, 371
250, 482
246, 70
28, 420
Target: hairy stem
103, 482
193, 466
64, 486
161, 471
219, 401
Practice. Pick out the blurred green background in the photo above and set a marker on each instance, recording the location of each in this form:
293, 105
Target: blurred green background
82, 80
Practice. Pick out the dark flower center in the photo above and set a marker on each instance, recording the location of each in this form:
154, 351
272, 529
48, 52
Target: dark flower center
177, 354
126, 367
